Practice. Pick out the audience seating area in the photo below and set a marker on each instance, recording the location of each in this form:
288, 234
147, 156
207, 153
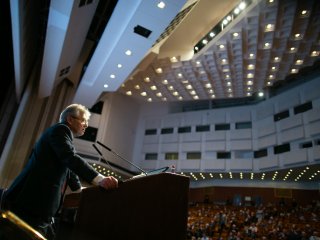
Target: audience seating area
210, 221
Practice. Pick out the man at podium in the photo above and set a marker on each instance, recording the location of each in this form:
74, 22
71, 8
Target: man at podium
36, 194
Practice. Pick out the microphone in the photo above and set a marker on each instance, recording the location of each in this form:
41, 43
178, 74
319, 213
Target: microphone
116, 154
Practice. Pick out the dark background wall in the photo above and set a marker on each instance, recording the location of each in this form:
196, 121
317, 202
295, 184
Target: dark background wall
223, 195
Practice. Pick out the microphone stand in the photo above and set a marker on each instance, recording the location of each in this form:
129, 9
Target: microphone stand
116, 154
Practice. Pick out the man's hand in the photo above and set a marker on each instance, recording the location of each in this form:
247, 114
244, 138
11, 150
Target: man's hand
109, 183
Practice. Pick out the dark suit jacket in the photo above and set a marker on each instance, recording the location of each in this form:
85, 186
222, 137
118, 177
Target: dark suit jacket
38, 188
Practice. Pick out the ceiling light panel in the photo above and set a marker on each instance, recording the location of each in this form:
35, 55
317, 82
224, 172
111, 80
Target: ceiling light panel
266, 50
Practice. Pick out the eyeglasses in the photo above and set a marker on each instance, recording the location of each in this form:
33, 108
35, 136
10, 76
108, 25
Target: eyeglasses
82, 121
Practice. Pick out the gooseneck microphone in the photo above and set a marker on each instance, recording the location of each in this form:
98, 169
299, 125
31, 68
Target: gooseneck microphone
116, 154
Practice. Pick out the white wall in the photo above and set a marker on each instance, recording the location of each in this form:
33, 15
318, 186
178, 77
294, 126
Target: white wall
265, 133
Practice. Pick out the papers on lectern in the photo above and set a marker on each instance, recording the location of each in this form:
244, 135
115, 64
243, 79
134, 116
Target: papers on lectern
152, 172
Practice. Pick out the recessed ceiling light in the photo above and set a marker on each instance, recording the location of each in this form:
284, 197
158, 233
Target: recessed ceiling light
112, 76
147, 79
153, 87
159, 94
129, 93
276, 59
149, 100
173, 59
137, 86
250, 66
159, 70
269, 27
297, 36
251, 55
175, 93
250, 75
204, 41
170, 88
195, 97
161, 5
304, 13
119, 65
315, 53
128, 52
299, 62
105, 86
165, 81
143, 94
164, 99
242, 5
293, 49
235, 34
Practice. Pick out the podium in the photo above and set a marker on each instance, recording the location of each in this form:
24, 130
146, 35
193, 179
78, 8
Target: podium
149, 207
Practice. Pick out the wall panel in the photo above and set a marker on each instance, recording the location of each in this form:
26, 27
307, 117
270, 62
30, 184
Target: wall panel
240, 164
294, 157
240, 145
292, 134
268, 162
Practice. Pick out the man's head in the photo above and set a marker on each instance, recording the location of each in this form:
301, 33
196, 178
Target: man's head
76, 116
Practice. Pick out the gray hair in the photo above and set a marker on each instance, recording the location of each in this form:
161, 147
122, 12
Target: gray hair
74, 110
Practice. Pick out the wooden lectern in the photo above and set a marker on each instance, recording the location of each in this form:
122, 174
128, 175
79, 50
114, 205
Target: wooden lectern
150, 207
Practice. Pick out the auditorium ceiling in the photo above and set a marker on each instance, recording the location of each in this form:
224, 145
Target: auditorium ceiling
165, 51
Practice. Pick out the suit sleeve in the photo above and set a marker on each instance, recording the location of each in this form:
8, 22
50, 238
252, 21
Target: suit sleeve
61, 143
74, 181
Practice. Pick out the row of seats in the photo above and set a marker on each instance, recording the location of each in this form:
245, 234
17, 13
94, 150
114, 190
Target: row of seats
272, 221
